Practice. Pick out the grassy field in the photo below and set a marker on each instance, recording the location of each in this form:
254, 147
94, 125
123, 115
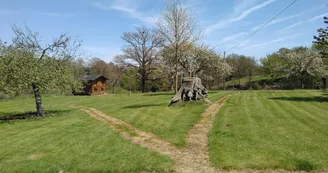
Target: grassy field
272, 129
148, 112
269, 129
73, 141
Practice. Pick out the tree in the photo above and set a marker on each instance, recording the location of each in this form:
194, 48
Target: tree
26, 63
274, 64
99, 67
115, 74
142, 51
179, 29
320, 43
250, 66
239, 64
129, 78
302, 62
222, 70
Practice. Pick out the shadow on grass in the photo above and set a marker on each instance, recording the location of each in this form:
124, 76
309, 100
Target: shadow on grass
9, 116
159, 94
304, 165
302, 99
143, 105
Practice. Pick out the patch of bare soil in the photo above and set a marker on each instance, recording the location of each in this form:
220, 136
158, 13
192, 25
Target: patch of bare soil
194, 158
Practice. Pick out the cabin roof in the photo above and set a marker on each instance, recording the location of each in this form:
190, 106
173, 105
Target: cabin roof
91, 77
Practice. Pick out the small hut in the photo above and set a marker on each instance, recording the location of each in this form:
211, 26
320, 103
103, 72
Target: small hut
93, 84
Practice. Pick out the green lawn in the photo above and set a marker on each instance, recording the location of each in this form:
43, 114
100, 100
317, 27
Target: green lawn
73, 141
272, 129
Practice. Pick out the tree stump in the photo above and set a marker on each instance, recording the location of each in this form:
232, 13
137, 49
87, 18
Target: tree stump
191, 89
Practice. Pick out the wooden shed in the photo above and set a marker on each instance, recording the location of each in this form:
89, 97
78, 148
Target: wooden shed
94, 84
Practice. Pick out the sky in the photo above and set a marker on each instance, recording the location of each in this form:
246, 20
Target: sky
225, 23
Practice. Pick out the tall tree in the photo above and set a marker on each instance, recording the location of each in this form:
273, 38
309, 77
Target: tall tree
99, 67
321, 44
274, 64
179, 28
28, 63
302, 62
142, 50
115, 74
250, 66
321, 41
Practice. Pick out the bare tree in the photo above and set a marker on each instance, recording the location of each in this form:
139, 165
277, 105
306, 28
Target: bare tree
142, 51
179, 28
99, 67
115, 74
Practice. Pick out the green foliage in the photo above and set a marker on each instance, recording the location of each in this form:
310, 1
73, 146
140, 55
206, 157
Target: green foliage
253, 85
321, 41
274, 65
129, 79
21, 69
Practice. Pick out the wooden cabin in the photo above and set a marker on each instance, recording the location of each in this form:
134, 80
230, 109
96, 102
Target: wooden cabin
94, 84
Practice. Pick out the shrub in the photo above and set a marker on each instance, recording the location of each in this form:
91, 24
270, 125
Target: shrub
254, 85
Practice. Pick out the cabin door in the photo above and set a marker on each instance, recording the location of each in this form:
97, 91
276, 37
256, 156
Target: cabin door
98, 88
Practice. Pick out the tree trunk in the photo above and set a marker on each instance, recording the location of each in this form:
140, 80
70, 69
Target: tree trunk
223, 83
302, 85
176, 76
113, 89
143, 85
38, 100
324, 83
218, 83
130, 87
239, 80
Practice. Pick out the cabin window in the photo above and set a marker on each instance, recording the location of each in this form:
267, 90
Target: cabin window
102, 89
95, 89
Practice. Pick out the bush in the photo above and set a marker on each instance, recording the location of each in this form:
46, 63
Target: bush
254, 85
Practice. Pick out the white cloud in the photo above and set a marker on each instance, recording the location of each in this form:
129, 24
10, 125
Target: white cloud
305, 21
245, 13
279, 20
231, 37
224, 23
129, 7
241, 5
269, 42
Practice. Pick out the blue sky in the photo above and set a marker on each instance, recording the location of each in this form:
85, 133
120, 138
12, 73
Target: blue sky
100, 23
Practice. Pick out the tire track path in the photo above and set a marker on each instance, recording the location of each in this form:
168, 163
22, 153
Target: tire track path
194, 158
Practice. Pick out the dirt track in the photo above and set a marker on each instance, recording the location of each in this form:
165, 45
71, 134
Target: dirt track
194, 158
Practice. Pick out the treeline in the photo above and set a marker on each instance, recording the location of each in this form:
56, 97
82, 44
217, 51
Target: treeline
158, 59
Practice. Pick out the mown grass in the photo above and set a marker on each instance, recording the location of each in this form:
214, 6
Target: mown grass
148, 112
71, 141
271, 129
